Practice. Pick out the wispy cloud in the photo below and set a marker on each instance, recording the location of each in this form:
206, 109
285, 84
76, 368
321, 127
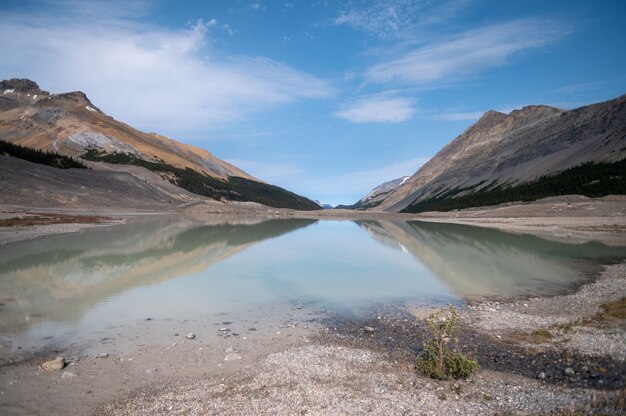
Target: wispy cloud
380, 19
334, 189
474, 115
373, 177
153, 77
469, 53
580, 87
378, 109
357, 184
267, 171
388, 18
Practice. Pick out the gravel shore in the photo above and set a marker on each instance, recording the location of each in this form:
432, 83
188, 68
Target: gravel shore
349, 370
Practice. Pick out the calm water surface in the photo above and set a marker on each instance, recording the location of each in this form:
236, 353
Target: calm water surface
184, 273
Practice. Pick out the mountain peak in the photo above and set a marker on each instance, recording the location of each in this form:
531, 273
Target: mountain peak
490, 118
74, 98
21, 85
536, 110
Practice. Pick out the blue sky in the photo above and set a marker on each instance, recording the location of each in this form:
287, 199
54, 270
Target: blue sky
325, 98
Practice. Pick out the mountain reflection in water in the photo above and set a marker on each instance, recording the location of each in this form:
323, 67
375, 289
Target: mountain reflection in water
178, 265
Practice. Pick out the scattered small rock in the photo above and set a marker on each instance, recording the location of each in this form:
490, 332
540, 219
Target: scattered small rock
103, 355
232, 357
53, 365
541, 376
368, 329
569, 372
191, 335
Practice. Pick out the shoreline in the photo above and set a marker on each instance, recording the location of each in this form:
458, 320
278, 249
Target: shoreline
567, 218
346, 369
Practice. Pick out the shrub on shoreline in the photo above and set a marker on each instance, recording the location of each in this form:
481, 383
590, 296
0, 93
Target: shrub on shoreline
441, 358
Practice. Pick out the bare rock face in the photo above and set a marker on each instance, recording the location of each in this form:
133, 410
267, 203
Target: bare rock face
518, 147
54, 365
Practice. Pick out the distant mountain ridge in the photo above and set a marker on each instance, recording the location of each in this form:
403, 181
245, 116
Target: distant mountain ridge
70, 124
376, 195
516, 148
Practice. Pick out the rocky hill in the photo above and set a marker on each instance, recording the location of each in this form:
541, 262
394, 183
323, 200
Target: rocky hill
71, 125
501, 152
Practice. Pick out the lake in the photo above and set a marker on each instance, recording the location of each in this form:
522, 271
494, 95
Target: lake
133, 284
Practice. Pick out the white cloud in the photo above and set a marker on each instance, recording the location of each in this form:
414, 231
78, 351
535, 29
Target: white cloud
378, 109
475, 115
469, 53
171, 81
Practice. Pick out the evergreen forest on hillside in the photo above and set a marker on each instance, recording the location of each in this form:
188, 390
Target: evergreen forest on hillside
29, 154
589, 179
233, 189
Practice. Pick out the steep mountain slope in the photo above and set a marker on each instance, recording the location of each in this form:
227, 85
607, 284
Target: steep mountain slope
71, 125
35, 185
511, 149
377, 195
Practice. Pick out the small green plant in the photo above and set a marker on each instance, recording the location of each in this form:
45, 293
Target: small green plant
440, 358
542, 335
566, 327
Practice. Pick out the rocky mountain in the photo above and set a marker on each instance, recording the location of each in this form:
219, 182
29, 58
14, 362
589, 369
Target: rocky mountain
503, 151
70, 124
376, 195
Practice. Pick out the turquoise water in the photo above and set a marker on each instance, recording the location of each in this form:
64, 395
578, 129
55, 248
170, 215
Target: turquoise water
86, 285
